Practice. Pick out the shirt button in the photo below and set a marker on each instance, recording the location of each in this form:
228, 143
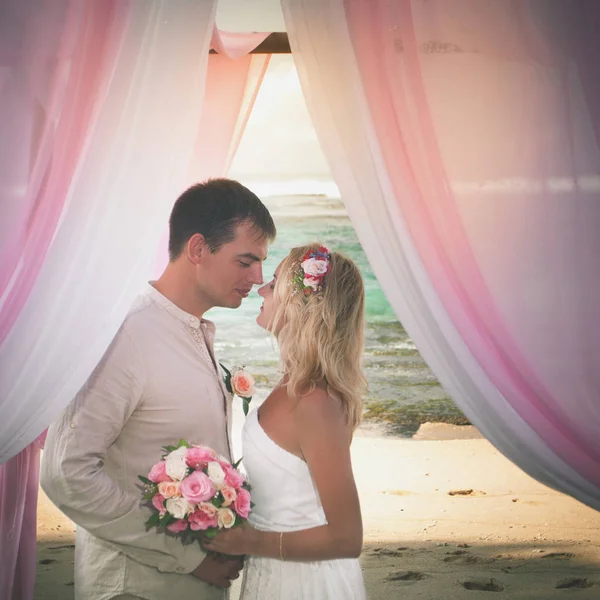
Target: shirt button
72, 425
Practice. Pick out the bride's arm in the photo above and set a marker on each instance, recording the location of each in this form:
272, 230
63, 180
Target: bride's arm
324, 440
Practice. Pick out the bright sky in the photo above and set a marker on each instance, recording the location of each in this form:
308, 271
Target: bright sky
250, 15
279, 141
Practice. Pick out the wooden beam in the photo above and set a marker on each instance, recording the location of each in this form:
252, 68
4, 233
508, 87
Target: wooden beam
276, 43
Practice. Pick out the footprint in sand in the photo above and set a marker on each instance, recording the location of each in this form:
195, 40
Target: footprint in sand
559, 555
573, 582
466, 492
483, 585
388, 551
463, 557
406, 576
63, 547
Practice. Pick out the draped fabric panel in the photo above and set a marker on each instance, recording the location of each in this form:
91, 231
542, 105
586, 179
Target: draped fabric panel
231, 89
104, 115
19, 484
235, 45
232, 85
134, 162
461, 136
54, 73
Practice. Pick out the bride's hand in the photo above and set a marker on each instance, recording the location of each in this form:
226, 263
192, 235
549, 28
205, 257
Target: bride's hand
237, 541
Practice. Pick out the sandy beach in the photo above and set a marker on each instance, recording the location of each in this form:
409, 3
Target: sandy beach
445, 516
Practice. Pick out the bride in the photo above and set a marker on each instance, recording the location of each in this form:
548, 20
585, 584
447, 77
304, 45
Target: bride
305, 531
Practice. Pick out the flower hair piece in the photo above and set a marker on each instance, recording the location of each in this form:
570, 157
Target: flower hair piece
313, 268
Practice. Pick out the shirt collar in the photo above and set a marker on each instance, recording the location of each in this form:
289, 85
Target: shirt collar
180, 314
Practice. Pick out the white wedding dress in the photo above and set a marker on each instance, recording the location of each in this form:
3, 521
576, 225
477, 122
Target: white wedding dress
285, 499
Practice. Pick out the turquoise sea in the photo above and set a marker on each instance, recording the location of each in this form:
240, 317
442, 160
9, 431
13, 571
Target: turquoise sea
403, 391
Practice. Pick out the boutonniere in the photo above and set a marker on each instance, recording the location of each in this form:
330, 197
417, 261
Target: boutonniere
240, 383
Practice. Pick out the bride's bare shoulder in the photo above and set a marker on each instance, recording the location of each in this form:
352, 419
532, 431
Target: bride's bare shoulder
322, 404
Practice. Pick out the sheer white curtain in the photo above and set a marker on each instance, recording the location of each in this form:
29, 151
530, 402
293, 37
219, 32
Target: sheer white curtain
133, 165
401, 98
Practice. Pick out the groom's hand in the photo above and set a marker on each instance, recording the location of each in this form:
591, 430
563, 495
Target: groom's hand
219, 571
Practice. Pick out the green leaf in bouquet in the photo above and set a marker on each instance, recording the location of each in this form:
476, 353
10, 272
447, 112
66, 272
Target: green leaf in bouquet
237, 463
246, 405
145, 480
182, 444
166, 519
153, 521
149, 495
187, 537
211, 532
216, 501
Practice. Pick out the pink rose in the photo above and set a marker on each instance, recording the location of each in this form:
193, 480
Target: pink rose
229, 495
241, 504
203, 518
197, 457
233, 478
158, 503
177, 526
208, 508
197, 487
158, 473
242, 384
169, 489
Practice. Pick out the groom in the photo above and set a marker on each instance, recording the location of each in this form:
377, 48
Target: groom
158, 382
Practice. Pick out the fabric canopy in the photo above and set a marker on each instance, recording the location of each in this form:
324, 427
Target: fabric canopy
463, 138
95, 153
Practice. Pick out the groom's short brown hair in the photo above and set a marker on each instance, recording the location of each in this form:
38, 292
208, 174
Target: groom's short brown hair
215, 208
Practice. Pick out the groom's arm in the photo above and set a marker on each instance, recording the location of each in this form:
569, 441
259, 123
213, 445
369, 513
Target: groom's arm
73, 474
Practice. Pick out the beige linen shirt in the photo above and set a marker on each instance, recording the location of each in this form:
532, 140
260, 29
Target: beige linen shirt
158, 382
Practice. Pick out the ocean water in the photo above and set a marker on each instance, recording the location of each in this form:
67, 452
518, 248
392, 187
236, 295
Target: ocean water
403, 391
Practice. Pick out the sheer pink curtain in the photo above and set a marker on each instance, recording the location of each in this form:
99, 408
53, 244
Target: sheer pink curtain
233, 80
55, 70
83, 124
54, 66
446, 119
19, 482
461, 135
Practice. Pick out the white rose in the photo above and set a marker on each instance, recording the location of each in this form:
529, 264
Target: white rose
216, 474
178, 507
314, 266
175, 464
225, 518
313, 283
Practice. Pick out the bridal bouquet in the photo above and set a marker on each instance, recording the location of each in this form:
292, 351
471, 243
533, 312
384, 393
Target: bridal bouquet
194, 492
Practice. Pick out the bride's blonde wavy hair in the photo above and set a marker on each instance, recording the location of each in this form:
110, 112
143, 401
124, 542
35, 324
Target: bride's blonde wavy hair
321, 336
